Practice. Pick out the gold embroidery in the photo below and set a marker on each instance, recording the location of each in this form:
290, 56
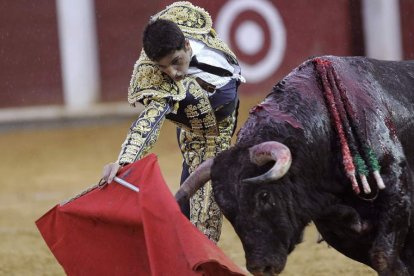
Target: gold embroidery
153, 112
142, 126
143, 132
209, 121
194, 88
196, 23
189, 18
191, 111
204, 106
196, 124
201, 115
205, 213
147, 80
211, 132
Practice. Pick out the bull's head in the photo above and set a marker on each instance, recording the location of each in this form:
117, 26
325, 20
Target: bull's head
250, 187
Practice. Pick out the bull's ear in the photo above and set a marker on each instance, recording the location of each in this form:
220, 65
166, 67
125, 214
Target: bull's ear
228, 206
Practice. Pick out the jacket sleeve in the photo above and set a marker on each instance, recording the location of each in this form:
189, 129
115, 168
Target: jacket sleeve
144, 132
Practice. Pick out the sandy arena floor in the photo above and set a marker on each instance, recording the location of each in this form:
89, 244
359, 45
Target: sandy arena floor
43, 167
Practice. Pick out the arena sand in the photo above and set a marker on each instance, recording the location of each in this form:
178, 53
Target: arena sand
42, 167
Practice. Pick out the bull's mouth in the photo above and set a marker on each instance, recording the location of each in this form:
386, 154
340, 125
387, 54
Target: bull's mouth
265, 266
265, 271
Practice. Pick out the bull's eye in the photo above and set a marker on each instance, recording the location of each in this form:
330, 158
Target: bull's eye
264, 196
265, 200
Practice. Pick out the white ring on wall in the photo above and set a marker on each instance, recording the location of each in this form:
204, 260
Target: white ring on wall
252, 43
270, 63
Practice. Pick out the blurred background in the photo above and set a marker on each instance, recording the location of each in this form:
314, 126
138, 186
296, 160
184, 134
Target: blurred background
59, 58
65, 67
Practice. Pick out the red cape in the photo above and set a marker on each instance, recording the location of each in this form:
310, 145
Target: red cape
116, 231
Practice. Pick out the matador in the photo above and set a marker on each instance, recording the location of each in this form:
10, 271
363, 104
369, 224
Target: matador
200, 99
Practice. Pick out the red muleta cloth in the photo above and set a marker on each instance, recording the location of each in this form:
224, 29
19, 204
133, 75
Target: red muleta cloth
117, 231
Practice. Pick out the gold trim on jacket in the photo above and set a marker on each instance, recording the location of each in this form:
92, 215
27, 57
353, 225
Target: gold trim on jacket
144, 132
148, 81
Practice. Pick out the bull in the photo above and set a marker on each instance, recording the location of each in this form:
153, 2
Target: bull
332, 143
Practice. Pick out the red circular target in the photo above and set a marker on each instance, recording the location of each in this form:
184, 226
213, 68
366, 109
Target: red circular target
256, 33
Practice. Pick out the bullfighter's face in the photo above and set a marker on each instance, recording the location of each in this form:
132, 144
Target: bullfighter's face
176, 64
263, 215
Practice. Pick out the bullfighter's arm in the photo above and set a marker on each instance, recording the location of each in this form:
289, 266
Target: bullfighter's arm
144, 132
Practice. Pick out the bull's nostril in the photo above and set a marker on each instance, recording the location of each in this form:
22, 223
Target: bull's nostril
262, 270
269, 271
255, 270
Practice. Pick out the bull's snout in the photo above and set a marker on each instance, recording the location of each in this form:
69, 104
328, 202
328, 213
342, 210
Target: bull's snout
265, 267
263, 271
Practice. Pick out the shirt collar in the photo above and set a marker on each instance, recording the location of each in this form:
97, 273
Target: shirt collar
196, 46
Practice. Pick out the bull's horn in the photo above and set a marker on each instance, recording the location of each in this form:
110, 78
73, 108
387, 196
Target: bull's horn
265, 152
194, 182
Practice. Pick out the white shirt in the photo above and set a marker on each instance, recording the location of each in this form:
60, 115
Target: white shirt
213, 57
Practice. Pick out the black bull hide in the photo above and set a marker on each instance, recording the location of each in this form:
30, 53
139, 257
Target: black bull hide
374, 228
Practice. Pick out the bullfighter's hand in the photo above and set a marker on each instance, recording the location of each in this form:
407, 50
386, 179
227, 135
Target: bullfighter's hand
109, 171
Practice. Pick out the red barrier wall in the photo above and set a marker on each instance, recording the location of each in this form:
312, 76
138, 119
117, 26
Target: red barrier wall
407, 28
282, 34
29, 54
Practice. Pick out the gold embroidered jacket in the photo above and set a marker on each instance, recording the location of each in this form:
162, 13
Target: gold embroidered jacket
161, 95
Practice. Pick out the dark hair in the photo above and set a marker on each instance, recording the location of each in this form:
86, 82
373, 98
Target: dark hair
162, 37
